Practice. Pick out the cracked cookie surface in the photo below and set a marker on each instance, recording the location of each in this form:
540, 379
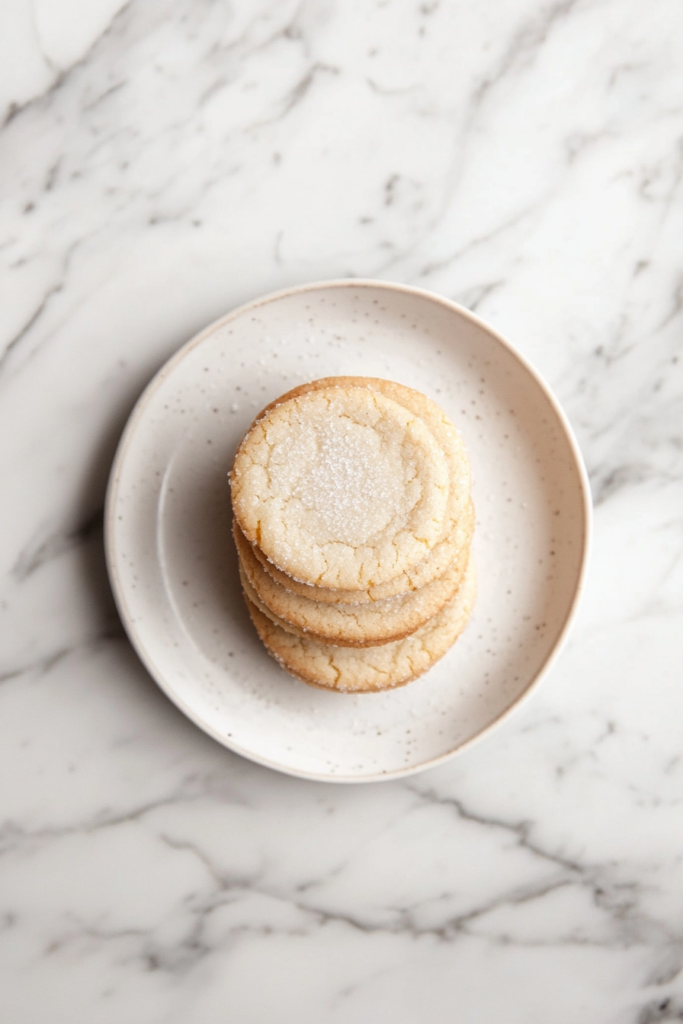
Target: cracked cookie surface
459, 505
341, 487
356, 625
354, 670
458, 540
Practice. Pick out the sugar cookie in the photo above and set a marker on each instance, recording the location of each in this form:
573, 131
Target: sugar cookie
347, 625
460, 540
341, 487
442, 554
353, 670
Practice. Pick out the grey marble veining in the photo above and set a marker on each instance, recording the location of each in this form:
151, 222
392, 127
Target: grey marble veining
160, 164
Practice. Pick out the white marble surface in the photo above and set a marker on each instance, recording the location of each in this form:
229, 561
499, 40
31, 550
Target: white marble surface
161, 163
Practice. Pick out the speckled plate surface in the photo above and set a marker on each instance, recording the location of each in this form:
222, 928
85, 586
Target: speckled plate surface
173, 566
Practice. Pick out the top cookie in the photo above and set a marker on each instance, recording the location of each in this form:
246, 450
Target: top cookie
458, 522
341, 487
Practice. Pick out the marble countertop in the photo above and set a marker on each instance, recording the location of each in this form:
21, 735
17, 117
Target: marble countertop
161, 164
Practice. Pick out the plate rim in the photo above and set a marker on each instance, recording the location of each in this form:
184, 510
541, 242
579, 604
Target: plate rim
113, 486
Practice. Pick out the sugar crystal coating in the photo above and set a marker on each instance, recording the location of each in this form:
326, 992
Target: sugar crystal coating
439, 557
341, 487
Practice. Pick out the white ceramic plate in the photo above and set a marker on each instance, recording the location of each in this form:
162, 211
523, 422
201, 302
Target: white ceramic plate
173, 567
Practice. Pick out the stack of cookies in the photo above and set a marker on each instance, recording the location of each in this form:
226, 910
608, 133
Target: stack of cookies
353, 523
